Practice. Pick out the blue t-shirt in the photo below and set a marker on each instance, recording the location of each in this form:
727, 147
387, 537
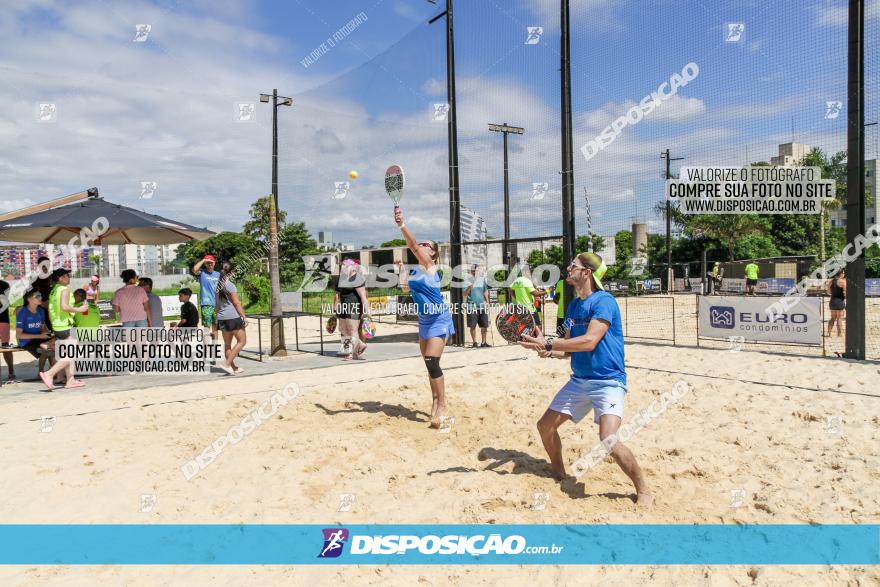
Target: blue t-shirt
30, 323
425, 290
478, 286
606, 360
208, 287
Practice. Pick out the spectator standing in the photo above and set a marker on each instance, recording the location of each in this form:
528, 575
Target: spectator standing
131, 302
208, 282
157, 320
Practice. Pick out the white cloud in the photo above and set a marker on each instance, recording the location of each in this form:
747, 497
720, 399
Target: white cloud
594, 15
406, 9
838, 16
434, 87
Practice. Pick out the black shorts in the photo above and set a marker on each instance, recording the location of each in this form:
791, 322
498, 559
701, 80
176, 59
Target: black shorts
231, 325
837, 304
33, 347
62, 334
750, 282
478, 317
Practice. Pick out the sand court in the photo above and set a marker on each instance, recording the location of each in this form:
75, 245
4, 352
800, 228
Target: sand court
758, 438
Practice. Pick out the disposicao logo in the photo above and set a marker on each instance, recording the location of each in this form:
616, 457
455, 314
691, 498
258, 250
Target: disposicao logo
722, 317
334, 540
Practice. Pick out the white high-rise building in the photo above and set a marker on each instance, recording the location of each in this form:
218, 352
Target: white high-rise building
147, 260
790, 154
473, 228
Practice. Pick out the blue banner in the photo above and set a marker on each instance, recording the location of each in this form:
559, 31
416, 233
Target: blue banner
777, 285
203, 544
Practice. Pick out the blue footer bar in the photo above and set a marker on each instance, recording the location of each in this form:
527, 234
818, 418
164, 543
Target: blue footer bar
207, 544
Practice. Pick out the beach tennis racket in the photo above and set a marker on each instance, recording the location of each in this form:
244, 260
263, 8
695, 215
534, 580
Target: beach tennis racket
394, 181
513, 321
331, 324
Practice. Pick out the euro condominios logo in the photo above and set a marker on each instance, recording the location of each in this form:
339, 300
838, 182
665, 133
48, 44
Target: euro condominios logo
634, 115
334, 540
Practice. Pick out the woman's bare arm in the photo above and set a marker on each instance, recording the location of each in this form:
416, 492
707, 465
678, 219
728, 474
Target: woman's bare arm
411, 242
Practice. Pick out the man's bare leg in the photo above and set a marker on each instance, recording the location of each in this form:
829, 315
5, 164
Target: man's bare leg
608, 425
547, 428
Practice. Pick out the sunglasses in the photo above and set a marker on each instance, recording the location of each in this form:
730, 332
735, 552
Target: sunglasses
427, 244
38, 296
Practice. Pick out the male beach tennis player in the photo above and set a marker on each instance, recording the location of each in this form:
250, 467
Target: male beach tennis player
594, 341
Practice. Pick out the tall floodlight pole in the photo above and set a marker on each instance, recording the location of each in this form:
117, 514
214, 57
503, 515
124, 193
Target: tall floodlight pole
855, 181
505, 129
568, 230
669, 160
454, 196
277, 346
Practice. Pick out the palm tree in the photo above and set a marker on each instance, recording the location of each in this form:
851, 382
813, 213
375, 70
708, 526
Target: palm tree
725, 228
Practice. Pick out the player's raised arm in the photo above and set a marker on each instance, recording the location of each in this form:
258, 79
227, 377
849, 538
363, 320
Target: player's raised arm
424, 256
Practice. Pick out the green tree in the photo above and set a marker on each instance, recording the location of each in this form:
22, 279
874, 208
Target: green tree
795, 234
95, 260
234, 247
582, 243
755, 246
398, 242
623, 242
257, 227
727, 229
833, 167
294, 242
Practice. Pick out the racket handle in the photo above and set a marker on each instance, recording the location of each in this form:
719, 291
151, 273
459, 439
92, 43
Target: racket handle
396, 208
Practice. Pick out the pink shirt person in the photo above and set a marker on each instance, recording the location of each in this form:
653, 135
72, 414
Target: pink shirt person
130, 300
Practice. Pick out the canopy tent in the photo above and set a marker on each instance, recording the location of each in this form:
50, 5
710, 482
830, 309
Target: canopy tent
126, 225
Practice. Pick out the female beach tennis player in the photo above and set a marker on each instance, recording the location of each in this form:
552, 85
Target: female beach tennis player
435, 321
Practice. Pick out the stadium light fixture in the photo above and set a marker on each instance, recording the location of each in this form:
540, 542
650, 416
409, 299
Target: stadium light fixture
505, 128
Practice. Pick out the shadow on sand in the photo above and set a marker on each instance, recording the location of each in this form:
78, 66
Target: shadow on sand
374, 407
526, 464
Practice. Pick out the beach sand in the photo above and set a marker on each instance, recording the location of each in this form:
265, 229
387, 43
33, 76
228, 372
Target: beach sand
759, 438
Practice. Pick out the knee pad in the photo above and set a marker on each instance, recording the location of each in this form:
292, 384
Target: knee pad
433, 365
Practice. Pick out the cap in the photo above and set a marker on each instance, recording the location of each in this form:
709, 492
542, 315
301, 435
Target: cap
59, 272
595, 262
211, 258
350, 262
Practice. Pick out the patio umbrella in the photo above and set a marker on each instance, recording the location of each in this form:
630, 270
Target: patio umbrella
127, 225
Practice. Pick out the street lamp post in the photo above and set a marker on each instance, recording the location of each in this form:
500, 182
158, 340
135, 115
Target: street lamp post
505, 129
277, 347
669, 160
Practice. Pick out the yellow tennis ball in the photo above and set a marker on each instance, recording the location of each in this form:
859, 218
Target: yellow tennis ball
353, 174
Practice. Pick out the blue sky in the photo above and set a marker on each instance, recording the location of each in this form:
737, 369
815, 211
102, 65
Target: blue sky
165, 109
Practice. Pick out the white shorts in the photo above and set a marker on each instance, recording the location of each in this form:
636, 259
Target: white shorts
579, 396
